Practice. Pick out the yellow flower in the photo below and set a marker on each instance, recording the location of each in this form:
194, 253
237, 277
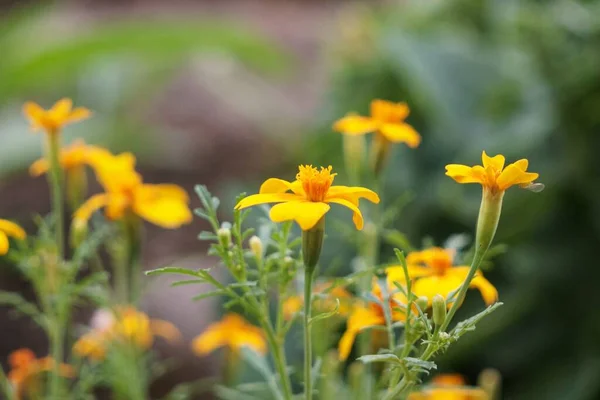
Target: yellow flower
309, 201
449, 393
434, 274
7, 229
493, 176
387, 120
26, 368
232, 331
326, 302
165, 205
52, 120
76, 155
126, 325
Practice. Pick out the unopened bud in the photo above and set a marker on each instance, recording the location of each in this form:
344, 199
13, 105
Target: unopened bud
422, 302
224, 235
439, 309
312, 242
489, 215
256, 246
79, 231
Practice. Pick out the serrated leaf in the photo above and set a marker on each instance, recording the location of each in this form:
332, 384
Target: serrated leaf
416, 362
177, 270
202, 214
187, 282
380, 358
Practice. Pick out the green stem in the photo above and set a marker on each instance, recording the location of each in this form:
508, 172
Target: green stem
278, 353
56, 349
308, 277
55, 178
133, 232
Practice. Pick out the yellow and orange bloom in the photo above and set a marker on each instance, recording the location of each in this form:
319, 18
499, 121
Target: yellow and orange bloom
433, 273
326, 302
387, 120
311, 194
77, 155
124, 325
165, 205
53, 120
11, 229
26, 369
233, 332
449, 387
493, 176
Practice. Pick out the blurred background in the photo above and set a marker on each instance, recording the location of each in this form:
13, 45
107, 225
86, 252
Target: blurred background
228, 92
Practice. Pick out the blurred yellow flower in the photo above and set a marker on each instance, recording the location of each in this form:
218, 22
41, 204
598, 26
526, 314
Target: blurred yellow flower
76, 155
52, 120
324, 301
493, 176
434, 274
25, 370
124, 325
308, 202
387, 120
449, 393
165, 205
7, 229
234, 332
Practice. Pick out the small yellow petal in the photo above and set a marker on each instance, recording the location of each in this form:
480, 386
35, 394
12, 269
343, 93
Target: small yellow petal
352, 194
345, 344
432, 285
163, 205
3, 243
463, 174
62, 108
522, 164
404, 133
84, 213
396, 273
39, 167
496, 162
305, 213
387, 111
357, 217
355, 125
12, 229
488, 291
78, 114
256, 199
274, 185
513, 175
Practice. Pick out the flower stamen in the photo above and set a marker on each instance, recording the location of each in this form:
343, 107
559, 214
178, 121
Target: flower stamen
314, 182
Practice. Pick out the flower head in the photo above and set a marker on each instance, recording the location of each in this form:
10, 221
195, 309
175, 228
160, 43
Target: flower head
386, 119
7, 229
493, 176
308, 202
52, 120
449, 387
26, 368
232, 331
124, 325
76, 155
165, 205
433, 272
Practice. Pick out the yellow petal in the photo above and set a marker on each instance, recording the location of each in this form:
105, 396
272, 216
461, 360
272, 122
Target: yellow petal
357, 217
274, 185
448, 380
352, 193
513, 175
305, 213
248, 336
34, 113
116, 205
361, 318
62, 107
396, 273
432, 285
345, 344
3, 243
387, 111
404, 133
522, 164
39, 167
165, 329
163, 205
256, 199
488, 291
84, 213
496, 162
12, 229
463, 174
78, 114
355, 125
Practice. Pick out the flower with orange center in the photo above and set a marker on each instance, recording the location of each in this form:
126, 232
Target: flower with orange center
308, 202
165, 205
53, 120
449, 387
433, 273
493, 176
386, 119
11, 229
26, 369
77, 155
233, 332
124, 325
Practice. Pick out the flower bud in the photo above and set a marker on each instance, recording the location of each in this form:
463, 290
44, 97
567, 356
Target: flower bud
439, 309
422, 302
312, 242
224, 235
256, 246
489, 215
78, 233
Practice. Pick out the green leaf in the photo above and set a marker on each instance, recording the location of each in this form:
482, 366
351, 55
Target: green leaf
326, 315
205, 235
24, 307
188, 282
173, 270
415, 362
260, 364
380, 358
207, 295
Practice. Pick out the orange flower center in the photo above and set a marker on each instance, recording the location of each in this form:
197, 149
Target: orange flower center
314, 182
440, 263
